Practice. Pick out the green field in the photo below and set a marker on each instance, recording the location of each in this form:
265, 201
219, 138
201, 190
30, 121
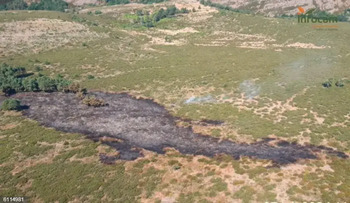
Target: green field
263, 77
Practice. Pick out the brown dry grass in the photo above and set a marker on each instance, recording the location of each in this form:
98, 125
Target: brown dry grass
41, 34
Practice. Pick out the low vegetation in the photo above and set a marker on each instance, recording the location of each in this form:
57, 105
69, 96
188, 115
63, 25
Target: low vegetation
116, 2
218, 52
329, 83
93, 101
150, 1
220, 6
146, 19
11, 105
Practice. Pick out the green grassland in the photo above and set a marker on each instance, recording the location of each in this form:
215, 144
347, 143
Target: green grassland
215, 60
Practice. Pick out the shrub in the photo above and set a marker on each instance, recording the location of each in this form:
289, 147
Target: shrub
61, 83
90, 77
8, 71
184, 10
147, 21
339, 83
114, 2
11, 105
30, 85
47, 84
98, 12
139, 13
327, 84
170, 11
93, 101
7, 90
168, 39
75, 88
80, 95
150, 1
38, 68
10, 80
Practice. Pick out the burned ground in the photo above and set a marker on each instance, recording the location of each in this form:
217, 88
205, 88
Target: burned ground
130, 124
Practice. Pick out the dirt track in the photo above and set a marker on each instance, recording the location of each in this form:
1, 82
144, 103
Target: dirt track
145, 124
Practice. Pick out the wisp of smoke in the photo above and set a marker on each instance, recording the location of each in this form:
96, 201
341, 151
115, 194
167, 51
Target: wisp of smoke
249, 88
198, 100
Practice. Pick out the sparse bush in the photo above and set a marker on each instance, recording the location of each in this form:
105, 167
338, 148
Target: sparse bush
168, 39
38, 68
11, 105
75, 88
339, 83
139, 13
98, 12
327, 84
80, 95
330, 82
184, 10
90, 77
93, 101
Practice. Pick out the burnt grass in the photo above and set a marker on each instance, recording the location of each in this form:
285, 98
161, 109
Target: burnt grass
129, 124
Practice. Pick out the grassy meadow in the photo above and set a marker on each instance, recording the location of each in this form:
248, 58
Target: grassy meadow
263, 77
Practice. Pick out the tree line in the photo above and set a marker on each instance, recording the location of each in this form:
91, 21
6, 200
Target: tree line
51, 5
17, 79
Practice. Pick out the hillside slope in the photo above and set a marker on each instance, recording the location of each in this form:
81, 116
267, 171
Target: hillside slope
279, 7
